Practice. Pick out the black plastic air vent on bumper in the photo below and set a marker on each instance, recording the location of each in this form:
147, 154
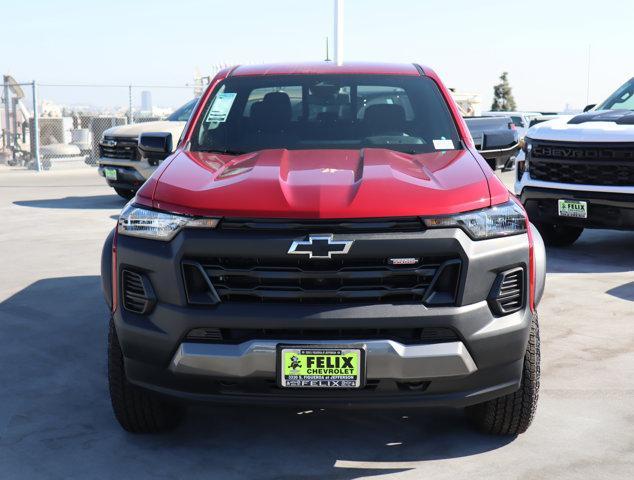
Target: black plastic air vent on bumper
137, 293
508, 292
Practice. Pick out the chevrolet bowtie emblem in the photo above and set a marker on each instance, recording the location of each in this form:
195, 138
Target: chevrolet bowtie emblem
320, 246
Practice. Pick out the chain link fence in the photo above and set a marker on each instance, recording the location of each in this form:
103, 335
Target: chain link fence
55, 126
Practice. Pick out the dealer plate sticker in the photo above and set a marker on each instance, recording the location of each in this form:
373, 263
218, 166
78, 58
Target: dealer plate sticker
110, 173
573, 208
315, 367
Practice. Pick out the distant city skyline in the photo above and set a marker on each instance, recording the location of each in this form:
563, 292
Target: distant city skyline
544, 48
146, 101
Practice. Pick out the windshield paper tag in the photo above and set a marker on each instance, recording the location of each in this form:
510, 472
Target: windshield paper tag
443, 144
219, 110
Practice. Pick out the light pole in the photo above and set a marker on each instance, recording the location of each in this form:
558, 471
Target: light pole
339, 32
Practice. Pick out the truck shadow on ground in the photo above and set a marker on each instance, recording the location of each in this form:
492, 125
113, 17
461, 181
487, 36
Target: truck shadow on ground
89, 202
56, 416
624, 292
596, 251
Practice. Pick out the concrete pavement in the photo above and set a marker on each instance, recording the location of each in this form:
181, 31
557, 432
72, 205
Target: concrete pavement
56, 422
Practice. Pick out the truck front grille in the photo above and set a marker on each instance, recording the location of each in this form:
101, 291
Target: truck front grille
318, 281
120, 148
591, 164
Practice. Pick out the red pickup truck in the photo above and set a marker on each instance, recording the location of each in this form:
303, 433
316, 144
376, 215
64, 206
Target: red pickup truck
326, 236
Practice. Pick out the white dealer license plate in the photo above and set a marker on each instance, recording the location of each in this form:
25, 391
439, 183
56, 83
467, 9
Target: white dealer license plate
573, 208
309, 366
110, 173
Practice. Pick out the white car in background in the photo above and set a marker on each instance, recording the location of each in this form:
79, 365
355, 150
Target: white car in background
120, 160
579, 170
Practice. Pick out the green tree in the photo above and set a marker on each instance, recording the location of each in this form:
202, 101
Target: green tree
503, 100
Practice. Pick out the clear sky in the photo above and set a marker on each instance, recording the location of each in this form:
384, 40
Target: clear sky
543, 44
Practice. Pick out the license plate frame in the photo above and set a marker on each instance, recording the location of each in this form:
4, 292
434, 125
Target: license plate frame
572, 208
110, 173
320, 381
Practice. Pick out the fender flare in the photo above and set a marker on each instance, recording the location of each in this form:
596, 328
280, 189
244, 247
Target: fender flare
539, 255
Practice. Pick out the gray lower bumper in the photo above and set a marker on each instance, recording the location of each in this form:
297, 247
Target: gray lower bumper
385, 359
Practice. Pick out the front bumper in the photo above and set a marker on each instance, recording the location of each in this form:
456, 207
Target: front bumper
483, 362
605, 209
130, 174
385, 359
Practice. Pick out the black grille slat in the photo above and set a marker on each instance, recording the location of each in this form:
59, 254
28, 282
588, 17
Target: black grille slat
309, 280
591, 164
406, 224
299, 274
272, 294
402, 335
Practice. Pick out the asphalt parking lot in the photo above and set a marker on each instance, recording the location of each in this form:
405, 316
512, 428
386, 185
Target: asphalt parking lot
56, 421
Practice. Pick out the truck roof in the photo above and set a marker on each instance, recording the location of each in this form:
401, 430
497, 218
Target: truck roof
316, 68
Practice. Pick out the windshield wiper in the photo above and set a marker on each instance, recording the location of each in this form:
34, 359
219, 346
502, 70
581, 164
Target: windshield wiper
225, 151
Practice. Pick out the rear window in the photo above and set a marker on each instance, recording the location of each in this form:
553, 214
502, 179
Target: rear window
405, 113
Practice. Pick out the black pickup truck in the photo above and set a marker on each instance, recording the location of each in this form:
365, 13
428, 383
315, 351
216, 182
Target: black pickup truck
496, 139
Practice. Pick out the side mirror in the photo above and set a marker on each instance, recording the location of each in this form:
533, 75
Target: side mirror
155, 146
589, 107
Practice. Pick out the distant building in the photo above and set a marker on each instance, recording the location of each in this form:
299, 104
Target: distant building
146, 101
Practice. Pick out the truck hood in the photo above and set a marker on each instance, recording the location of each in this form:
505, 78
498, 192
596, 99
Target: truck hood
599, 126
368, 183
136, 129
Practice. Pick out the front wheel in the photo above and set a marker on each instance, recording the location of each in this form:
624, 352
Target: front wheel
512, 414
555, 235
136, 410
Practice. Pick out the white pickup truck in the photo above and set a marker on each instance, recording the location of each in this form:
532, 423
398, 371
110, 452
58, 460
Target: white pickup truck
579, 170
120, 161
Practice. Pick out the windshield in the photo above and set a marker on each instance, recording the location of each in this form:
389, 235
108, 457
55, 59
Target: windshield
518, 121
622, 99
183, 113
405, 113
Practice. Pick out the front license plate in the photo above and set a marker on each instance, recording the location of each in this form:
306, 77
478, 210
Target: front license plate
573, 208
110, 173
318, 367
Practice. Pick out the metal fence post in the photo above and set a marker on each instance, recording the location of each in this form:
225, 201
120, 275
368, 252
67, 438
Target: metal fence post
130, 116
7, 114
35, 148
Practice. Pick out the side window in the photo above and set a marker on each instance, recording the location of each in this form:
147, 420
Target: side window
376, 95
625, 101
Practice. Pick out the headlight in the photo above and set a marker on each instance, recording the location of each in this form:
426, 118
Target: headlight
140, 222
527, 147
499, 221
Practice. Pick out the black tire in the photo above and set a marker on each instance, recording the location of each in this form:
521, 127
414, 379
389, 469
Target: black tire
136, 410
555, 235
125, 193
512, 414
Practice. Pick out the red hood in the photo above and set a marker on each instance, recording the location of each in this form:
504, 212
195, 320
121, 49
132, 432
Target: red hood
319, 184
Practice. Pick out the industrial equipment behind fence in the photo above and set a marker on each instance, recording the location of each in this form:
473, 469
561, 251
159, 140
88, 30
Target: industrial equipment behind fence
48, 126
